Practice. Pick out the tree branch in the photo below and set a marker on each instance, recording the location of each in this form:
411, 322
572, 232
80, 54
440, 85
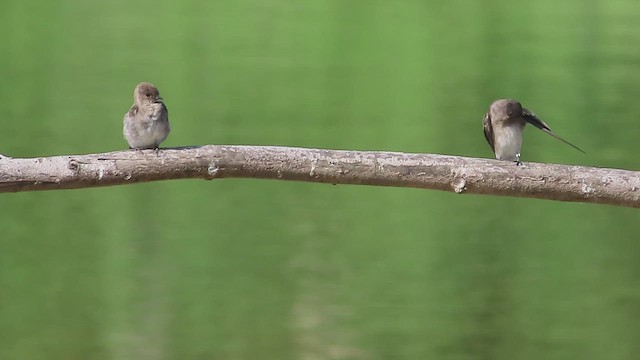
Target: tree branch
426, 171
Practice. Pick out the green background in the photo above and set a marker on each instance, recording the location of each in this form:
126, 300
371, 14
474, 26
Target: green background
249, 269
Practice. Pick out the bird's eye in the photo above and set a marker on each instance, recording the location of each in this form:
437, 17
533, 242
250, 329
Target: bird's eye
148, 94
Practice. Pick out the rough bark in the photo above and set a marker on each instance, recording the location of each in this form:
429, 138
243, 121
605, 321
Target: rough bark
426, 171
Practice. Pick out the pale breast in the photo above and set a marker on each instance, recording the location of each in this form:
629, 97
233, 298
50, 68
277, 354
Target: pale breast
507, 141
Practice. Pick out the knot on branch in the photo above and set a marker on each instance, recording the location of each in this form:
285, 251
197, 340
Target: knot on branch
460, 186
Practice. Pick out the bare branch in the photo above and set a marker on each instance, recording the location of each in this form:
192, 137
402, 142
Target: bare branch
426, 171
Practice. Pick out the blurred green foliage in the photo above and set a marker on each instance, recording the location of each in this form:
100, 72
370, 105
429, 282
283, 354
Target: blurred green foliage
244, 269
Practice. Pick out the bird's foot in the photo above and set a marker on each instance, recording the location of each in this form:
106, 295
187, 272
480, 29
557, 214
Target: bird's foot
518, 162
136, 149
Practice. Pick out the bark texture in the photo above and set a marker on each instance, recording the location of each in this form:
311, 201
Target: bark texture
426, 171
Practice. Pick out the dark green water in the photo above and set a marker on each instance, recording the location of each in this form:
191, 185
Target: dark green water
243, 269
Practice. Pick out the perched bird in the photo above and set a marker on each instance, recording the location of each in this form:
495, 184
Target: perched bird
146, 124
503, 125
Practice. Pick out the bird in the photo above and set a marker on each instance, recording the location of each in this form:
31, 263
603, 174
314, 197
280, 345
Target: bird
146, 124
503, 126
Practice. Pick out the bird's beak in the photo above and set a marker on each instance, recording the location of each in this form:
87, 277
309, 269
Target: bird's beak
158, 100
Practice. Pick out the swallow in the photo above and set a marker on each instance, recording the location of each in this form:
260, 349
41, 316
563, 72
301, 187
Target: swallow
146, 124
503, 126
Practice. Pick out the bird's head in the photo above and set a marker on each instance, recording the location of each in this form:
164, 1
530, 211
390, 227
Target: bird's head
146, 93
506, 109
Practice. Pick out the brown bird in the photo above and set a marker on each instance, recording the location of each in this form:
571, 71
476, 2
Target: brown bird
146, 124
503, 125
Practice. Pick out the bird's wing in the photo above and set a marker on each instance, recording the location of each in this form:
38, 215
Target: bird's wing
166, 111
488, 130
132, 111
532, 119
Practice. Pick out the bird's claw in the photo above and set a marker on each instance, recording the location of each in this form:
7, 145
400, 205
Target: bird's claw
518, 162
